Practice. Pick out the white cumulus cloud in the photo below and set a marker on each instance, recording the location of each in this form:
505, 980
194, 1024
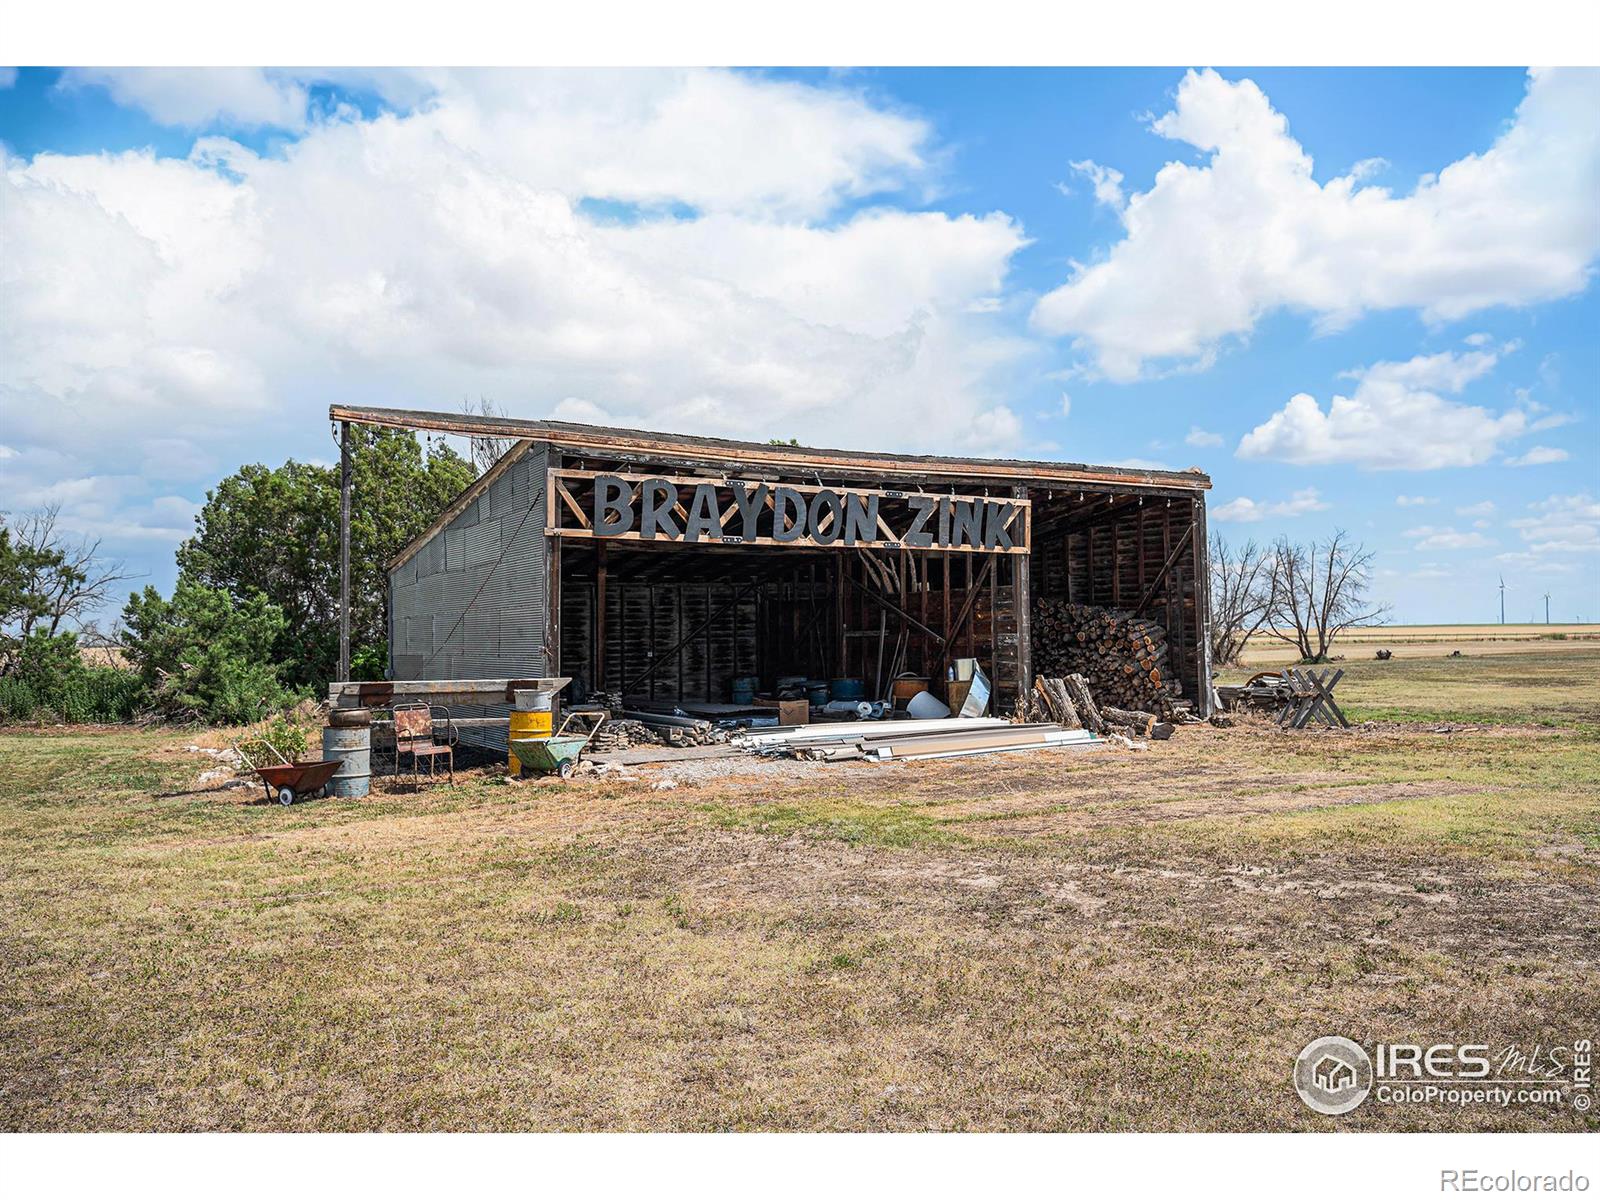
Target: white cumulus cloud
198, 96
1245, 510
1538, 456
1213, 247
1202, 437
1562, 525
1414, 501
178, 316
1106, 182
1434, 537
1395, 418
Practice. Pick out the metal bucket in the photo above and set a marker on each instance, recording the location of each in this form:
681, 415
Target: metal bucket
353, 748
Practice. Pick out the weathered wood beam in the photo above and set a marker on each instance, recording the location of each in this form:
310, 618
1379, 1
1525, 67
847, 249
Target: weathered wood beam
346, 470
883, 601
1155, 584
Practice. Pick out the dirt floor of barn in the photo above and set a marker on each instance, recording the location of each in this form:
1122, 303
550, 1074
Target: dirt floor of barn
1107, 940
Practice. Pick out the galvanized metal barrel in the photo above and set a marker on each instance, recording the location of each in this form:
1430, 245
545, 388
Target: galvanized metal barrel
353, 748
532, 716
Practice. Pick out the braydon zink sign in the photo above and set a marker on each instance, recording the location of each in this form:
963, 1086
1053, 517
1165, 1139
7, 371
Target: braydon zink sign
741, 512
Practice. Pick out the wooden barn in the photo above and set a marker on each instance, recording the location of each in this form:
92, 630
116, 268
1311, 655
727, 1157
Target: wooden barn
666, 566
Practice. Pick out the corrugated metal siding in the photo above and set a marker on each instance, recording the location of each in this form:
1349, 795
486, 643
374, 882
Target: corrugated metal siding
437, 630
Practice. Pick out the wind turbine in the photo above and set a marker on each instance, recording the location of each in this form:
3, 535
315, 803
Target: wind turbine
1502, 599
1547, 608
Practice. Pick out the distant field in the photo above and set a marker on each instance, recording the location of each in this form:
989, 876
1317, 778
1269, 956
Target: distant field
1433, 641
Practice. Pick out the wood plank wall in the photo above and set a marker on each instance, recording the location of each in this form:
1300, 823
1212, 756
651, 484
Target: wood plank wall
758, 629
1114, 562
809, 621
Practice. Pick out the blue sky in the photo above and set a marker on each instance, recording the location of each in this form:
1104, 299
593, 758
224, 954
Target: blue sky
1155, 266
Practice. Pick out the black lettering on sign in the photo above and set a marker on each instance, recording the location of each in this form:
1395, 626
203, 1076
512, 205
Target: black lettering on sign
749, 502
860, 519
826, 509
613, 508
966, 522
696, 511
922, 508
705, 516
785, 500
996, 517
657, 499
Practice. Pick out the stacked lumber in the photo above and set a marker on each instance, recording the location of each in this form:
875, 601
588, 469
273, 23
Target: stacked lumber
880, 741
1123, 658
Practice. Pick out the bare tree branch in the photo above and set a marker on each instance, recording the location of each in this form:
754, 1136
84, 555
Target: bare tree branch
1240, 597
1317, 591
486, 451
59, 580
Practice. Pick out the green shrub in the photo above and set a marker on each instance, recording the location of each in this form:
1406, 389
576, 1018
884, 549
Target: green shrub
48, 682
18, 701
205, 656
287, 738
102, 695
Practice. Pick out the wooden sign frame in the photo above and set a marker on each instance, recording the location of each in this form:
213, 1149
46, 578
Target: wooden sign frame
565, 516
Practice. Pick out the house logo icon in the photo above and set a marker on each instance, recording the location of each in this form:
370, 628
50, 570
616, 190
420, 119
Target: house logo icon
1333, 1075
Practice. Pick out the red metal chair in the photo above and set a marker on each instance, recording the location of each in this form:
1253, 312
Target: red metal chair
414, 726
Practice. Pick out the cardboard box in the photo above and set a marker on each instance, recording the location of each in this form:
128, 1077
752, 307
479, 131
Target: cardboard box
790, 712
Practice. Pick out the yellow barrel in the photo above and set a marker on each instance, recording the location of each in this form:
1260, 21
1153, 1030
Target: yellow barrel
530, 719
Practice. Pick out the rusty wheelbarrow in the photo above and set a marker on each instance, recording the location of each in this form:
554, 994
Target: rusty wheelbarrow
287, 781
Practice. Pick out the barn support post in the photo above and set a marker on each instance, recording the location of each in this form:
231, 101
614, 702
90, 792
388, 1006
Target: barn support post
1206, 700
552, 621
597, 664
1022, 611
344, 549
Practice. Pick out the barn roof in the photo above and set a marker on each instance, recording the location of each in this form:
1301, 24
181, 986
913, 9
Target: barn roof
740, 456
640, 442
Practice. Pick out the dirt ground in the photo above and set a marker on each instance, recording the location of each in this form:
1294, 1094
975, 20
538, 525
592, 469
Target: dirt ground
1065, 940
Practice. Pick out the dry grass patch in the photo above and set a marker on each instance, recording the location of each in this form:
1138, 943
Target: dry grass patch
1048, 941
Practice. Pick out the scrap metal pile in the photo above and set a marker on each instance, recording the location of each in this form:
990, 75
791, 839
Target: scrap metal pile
901, 741
634, 729
1122, 656
1293, 695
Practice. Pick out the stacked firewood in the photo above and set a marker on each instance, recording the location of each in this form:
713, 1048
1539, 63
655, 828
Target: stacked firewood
1068, 701
1123, 657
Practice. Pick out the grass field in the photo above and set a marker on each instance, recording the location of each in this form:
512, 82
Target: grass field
1111, 940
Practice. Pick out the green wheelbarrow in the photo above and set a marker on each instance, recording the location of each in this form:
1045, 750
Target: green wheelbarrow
559, 753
